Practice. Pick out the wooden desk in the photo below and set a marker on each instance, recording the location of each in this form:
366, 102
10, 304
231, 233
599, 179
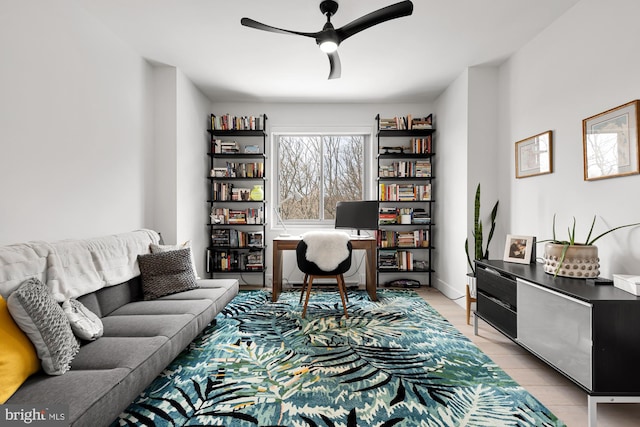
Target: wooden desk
281, 244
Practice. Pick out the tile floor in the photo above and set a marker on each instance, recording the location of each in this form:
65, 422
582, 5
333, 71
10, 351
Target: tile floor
566, 400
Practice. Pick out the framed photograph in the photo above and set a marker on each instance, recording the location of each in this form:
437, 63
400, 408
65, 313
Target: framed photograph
519, 249
610, 143
534, 156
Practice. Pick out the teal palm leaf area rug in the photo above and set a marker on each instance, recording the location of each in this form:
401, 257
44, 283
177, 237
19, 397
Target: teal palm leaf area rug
394, 362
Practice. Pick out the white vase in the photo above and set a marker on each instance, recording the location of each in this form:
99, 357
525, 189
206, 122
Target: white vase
580, 261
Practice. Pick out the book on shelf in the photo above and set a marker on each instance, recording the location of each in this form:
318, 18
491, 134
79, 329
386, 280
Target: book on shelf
235, 216
240, 194
387, 259
407, 122
422, 122
404, 192
421, 145
406, 169
220, 237
228, 237
405, 260
232, 122
420, 217
220, 146
387, 215
237, 261
239, 170
403, 239
254, 261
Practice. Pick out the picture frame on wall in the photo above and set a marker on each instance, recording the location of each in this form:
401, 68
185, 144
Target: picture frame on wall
519, 249
534, 155
610, 143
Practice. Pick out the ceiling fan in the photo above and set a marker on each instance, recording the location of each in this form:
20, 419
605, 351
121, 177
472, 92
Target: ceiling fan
329, 38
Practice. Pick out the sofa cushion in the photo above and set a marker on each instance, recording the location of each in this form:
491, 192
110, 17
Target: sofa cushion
120, 352
161, 306
18, 358
84, 323
42, 319
106, 300
166, 273
98, 395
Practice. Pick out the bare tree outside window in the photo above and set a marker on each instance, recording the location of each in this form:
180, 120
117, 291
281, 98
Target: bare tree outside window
317, 171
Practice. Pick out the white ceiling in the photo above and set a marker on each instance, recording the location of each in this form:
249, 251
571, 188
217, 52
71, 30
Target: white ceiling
409, 59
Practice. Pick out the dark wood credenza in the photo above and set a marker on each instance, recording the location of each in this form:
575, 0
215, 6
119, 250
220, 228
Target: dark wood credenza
589, 333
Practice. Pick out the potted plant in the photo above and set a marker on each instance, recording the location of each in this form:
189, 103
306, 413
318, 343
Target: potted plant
477, 233
568, 258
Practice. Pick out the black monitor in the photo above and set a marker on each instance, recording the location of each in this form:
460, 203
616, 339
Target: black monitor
357, 215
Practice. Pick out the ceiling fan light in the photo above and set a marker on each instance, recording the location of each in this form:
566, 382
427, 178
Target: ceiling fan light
328, 46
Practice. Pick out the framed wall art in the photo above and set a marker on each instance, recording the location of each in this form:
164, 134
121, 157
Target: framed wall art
519, 249
610, 143
534, 155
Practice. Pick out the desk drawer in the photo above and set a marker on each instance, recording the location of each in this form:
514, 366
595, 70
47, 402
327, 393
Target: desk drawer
500, 316
495, 285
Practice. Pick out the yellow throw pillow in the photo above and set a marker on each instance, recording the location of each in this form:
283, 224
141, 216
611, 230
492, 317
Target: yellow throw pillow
18, 358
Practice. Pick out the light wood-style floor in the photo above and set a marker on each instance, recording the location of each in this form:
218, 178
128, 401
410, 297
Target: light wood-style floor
565, 399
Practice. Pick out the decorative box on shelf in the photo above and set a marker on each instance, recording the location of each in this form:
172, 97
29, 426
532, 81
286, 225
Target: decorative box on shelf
627, 282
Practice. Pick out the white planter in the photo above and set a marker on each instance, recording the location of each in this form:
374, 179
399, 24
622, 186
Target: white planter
580, 261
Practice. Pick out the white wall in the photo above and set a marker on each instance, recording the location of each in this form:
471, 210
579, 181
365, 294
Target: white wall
181, 143
466, 146
165, 206
583, 64
75, 126
451, 170
192, 168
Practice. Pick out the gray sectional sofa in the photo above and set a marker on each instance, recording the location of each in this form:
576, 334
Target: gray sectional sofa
140, 339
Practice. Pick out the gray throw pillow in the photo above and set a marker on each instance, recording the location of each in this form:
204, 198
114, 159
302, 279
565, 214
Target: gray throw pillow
41, 318
166, 273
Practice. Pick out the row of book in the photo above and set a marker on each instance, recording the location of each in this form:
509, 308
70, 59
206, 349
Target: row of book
421, 145
404, 192
394, 259
239, 170
403, 169
231, 122
406, 123
228, 237
403, 239
394, 215
226, 191
236, 261
237, 216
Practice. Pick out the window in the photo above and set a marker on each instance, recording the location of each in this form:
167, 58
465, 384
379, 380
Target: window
315, 171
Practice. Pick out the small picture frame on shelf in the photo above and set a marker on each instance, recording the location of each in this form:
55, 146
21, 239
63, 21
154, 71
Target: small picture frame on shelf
519, 249
610, 142
534, 155
252, 149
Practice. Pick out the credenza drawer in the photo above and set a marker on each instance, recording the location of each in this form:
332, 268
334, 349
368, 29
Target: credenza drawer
496, 313
495, 285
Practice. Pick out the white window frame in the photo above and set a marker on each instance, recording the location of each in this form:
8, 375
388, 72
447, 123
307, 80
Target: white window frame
369, 167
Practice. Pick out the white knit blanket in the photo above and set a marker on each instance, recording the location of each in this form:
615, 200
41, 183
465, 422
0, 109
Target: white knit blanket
326, 248
75, 267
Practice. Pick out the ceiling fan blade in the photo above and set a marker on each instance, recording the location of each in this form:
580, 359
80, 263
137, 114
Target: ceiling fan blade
334, 62
398, 10
248, 22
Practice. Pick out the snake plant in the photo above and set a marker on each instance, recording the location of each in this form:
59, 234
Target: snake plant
477, 234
